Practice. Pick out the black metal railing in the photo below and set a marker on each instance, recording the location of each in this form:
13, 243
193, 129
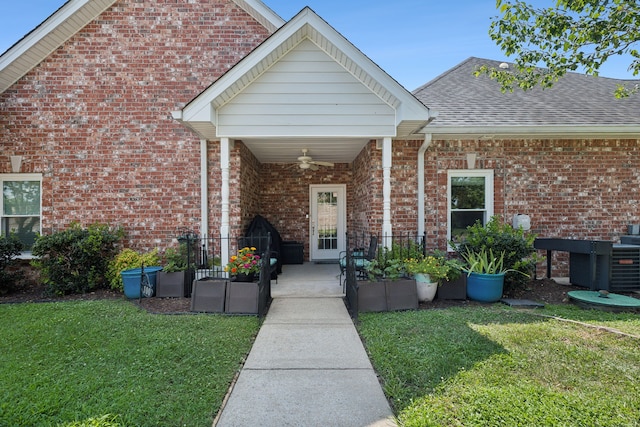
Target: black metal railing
205, 259
351, 284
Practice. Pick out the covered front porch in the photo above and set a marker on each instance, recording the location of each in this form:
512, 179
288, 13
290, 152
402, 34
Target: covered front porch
308, 280
302, 132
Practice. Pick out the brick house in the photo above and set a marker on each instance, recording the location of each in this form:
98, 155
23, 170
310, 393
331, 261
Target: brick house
165, 115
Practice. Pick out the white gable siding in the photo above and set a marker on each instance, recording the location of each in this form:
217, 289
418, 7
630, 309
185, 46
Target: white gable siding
306, 93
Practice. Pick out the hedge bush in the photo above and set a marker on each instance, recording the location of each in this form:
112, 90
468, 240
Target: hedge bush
126, 259
517, 245
10, 249
75, 260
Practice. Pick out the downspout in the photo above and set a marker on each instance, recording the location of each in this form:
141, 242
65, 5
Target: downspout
421, 205
204, 190
387, 229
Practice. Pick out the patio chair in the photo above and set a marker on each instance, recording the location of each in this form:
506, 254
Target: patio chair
361, 260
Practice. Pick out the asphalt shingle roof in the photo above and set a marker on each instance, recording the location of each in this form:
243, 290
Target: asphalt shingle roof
463, 100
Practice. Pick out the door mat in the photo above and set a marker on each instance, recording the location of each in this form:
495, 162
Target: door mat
521, 303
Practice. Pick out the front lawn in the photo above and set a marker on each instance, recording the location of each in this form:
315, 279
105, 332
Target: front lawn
495, 366
68, 361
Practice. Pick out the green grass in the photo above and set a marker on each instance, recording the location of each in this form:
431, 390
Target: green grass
64, 362
495, 366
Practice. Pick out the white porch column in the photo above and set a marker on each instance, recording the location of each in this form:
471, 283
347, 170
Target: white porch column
225, 156
387, 153
204, 190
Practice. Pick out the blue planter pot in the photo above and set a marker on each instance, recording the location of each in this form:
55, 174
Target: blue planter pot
131, 281
485, 287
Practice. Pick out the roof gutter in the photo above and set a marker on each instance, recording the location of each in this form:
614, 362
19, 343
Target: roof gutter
529, 132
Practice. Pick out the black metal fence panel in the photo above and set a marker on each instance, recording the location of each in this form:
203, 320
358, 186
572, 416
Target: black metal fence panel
205, 260
379, 247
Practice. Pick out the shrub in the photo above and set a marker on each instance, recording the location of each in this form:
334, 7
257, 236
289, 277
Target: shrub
126, 259
502, 237
10, 249
75, 260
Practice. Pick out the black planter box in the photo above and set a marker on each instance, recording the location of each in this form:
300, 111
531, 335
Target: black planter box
208, 295
387, 295
372, 296
170, 284
402, 294
455, 289
242, 298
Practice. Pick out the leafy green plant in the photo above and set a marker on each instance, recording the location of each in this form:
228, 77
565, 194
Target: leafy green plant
75, 260
436, 265
501, 238
390, 268
485, 262
388, 264
10, 249
126, 259
175, 259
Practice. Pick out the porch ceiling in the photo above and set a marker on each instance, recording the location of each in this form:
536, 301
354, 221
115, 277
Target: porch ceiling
334, 150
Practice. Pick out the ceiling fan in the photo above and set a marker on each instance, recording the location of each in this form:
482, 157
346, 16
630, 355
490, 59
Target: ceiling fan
307, 162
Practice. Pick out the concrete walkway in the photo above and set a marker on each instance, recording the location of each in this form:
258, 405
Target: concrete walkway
307, 367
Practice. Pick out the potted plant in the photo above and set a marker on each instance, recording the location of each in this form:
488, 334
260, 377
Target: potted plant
244, 265
454, 287
429, 272
172, 278
388, 287
485, 271
124, 271
243, 292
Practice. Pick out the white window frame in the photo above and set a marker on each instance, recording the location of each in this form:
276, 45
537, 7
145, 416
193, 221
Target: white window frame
487, 174
20, 177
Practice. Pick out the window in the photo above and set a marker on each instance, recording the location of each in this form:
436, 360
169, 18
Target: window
470, 199
20, 206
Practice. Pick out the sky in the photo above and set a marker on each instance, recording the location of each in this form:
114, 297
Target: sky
414, 41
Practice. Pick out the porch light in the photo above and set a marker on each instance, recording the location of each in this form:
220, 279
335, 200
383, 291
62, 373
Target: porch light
16, 164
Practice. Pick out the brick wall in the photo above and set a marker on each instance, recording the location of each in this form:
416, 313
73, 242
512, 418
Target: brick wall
284, 196
579, 189
366, 205
95, 117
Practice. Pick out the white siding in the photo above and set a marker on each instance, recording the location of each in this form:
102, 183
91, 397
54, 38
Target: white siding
306, 93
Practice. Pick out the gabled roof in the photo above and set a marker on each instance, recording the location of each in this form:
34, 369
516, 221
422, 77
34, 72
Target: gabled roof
577, 105
74, 15
201, 114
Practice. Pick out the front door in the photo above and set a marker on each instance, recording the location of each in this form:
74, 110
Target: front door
327, 221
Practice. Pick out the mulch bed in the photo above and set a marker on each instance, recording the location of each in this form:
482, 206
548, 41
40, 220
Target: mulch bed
542, 290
